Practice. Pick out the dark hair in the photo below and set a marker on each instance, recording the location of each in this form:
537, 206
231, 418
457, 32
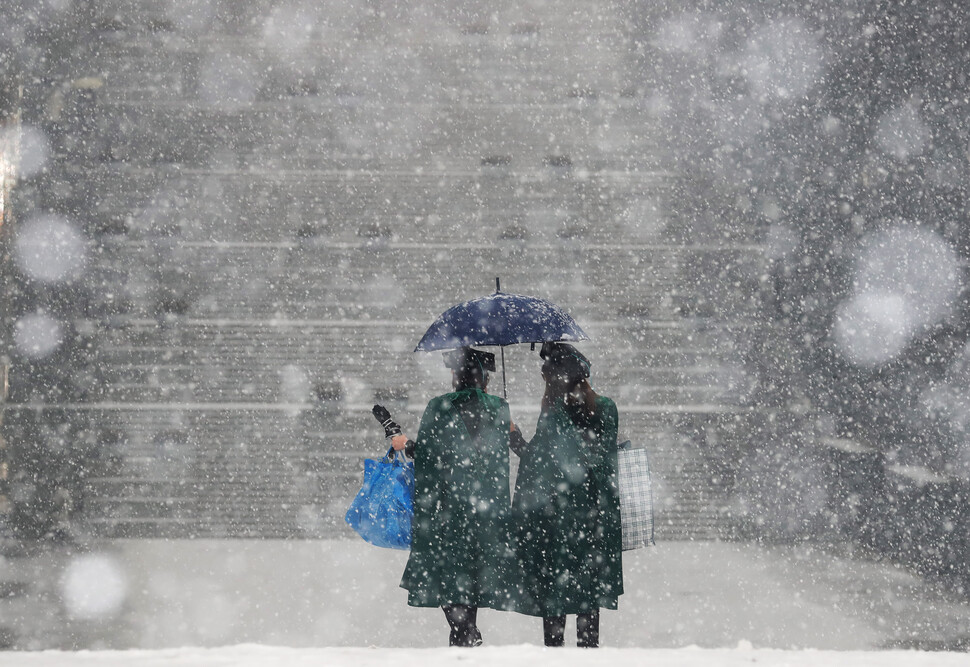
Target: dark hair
468, 377
565, 359
470, 367
574, 393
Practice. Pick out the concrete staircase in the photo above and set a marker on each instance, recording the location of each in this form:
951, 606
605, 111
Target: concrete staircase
285, 195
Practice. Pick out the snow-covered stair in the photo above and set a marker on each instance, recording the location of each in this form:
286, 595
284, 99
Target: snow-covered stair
280, 216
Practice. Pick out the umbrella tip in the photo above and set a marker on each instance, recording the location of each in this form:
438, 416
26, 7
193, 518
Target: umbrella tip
498, 284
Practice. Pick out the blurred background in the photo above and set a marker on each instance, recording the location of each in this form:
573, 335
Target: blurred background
226, 224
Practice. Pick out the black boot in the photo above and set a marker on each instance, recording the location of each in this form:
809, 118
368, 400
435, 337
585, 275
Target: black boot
588, 630
554, 630
463, 621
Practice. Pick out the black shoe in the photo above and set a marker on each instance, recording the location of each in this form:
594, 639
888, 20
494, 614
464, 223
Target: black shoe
467, 639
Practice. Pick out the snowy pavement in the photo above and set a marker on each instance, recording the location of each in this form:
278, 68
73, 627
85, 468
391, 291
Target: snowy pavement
338, 603
266, 656
345, 593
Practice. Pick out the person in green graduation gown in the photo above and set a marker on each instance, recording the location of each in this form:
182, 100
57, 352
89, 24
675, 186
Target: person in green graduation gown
566, 508
460, 556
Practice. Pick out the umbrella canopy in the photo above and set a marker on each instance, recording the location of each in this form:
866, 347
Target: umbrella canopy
500, 319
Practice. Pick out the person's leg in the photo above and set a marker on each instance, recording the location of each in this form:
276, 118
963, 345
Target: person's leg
588, 630
554, 630
463, 623
474, 635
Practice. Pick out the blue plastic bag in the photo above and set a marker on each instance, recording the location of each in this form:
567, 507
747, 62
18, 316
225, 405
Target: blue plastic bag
382, 511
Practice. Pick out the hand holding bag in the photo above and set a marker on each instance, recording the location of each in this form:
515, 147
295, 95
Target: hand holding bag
382, 510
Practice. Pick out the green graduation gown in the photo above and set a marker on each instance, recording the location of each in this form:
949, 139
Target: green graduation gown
460, 544
566, 511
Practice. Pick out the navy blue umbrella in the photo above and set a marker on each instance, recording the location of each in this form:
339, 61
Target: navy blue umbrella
500, 319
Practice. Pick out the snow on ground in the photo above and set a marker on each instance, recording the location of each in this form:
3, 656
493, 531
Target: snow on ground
267, 656
346, 593
334, 603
